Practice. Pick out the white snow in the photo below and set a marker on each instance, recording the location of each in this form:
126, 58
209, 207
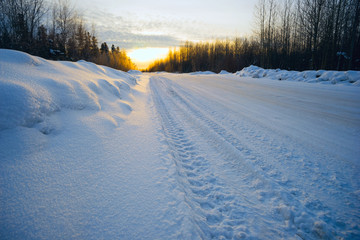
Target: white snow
135, 72
224, 72
88, 152
202, 73
320, 76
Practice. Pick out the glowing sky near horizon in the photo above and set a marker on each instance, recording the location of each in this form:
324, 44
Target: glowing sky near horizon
137, 24
144, 56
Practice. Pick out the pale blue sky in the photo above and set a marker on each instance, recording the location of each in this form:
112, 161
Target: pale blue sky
134, 24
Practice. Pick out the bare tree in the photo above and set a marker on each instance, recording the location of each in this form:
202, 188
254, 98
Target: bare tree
285, 31
311, 15
65, 19
35, 13
355, 30
260, 16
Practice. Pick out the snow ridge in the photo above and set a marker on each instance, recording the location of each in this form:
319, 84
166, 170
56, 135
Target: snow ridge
320, 76
28, 97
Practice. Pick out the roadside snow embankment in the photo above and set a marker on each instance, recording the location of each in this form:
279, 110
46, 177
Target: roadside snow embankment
202, 73
32, 88
321, 76
70, 162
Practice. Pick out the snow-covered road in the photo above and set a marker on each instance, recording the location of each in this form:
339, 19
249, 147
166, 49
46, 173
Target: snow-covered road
262, 158
89, 152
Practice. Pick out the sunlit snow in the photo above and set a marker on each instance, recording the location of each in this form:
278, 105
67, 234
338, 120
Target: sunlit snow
88, 152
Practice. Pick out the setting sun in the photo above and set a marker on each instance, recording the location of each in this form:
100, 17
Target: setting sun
144, 56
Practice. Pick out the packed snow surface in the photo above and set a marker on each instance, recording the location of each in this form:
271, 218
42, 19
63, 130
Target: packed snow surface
88, 152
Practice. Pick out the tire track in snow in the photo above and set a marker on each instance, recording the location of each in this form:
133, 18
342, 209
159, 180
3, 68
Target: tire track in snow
269, 162
274, 150
286, 206
213, 208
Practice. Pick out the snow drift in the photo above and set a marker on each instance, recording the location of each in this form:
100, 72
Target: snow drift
202, 73
320, 76
31, 88
70, 165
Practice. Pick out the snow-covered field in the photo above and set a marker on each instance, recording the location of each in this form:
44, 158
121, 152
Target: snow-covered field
88, 152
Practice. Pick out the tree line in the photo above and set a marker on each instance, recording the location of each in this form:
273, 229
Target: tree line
55, 31
230, 55
288, 34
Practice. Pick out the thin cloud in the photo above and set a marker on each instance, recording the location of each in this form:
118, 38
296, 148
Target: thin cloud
131, 31
129, 40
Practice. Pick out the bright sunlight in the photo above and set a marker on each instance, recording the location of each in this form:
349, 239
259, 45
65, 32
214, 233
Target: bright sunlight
142, 57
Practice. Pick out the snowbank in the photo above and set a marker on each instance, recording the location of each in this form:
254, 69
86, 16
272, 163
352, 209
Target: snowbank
224, 72
70, 162
320, 76
32, 88
202, 73
135, 72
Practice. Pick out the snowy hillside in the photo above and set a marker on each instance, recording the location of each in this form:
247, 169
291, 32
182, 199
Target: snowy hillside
88, 152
